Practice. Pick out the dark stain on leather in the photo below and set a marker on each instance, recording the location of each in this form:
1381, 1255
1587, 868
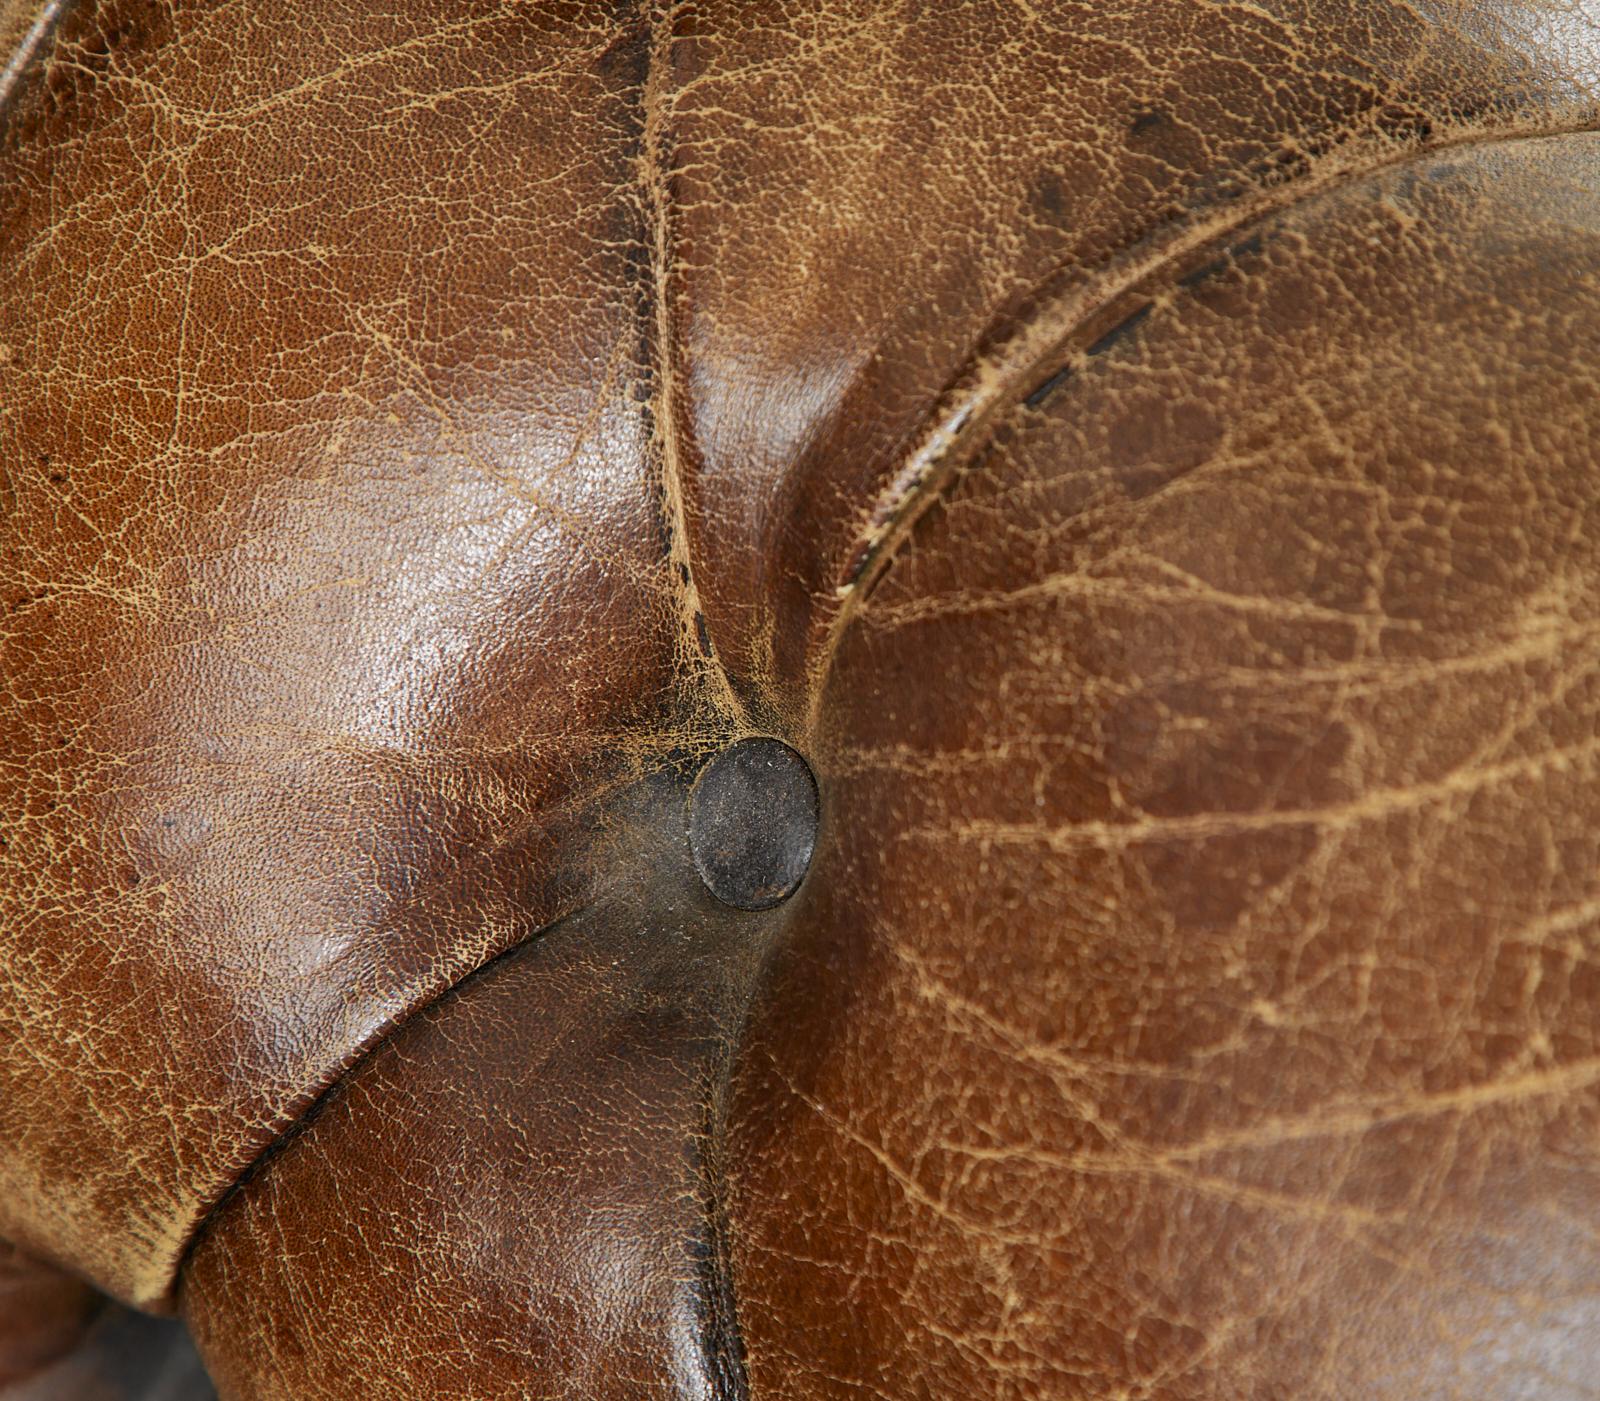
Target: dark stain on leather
1038, 395
1146, 122
620, 1087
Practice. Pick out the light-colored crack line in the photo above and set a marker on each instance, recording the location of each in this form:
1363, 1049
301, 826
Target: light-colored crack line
655, 194
1374, 805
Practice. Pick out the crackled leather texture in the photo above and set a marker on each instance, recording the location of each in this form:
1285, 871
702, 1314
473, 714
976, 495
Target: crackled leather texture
1143, 457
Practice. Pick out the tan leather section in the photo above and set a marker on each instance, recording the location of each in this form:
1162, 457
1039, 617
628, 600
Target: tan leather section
1201, 999
519, 1194
333, 573
879, 210
423, 427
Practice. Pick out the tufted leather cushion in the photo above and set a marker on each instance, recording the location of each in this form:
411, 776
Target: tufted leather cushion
1143, 456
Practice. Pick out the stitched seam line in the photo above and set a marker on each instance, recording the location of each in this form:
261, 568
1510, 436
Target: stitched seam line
991, 386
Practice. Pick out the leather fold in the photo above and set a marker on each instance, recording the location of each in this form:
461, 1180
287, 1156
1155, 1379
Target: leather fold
520, 1192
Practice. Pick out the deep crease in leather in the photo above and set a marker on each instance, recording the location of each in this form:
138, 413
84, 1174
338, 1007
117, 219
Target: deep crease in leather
320, 1101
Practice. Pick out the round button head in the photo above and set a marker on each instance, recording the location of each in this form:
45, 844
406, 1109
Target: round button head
753, 823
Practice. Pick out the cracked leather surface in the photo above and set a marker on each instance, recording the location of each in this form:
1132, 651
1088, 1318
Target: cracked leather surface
1142, 455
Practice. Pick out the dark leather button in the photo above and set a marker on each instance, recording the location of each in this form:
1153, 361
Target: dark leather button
753, 823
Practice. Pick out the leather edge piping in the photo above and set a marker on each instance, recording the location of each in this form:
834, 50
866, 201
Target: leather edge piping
301, 1115
1048, 339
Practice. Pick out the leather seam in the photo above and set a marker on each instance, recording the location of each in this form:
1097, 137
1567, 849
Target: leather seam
992, 385
298, 1121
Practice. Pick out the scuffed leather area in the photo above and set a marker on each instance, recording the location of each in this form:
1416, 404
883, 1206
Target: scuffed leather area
1140, 453
881, 213
334, 582
1201, 1000
519, 1193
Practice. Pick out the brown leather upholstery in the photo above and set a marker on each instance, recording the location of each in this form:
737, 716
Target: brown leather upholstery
1144, 457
